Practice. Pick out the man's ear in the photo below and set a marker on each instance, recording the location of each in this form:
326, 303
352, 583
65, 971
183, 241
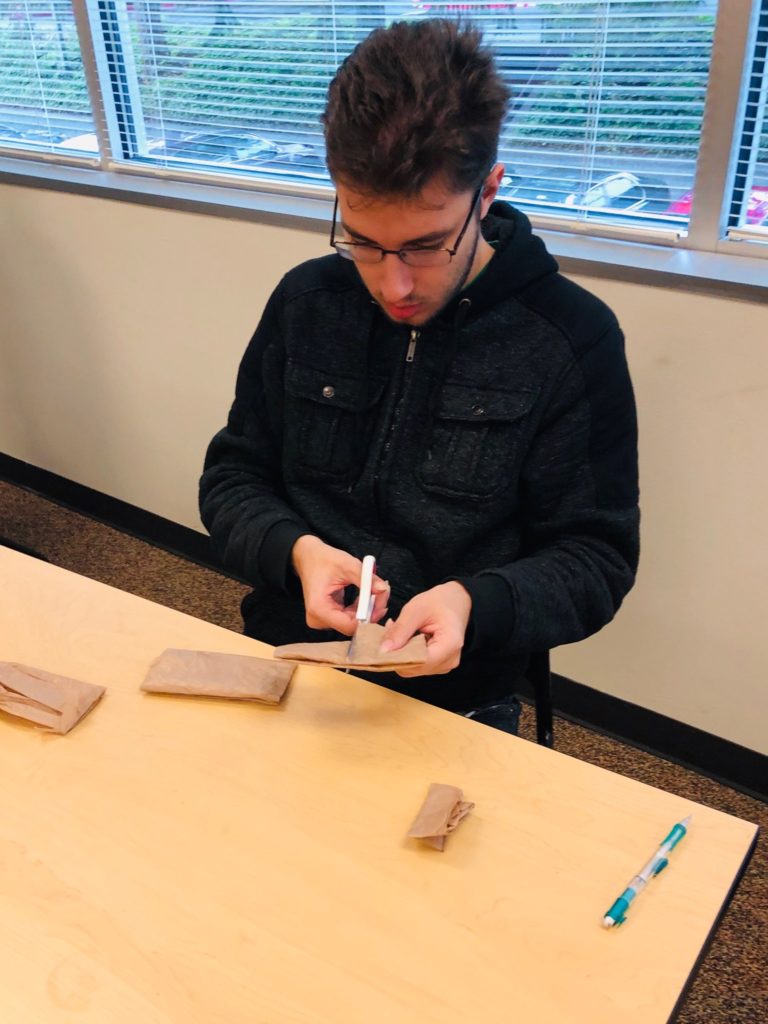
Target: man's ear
491, 187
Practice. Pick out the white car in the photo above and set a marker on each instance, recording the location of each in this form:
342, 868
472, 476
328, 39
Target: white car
85, 143
622, 191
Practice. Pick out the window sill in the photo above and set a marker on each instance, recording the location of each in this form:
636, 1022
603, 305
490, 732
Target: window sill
283, 204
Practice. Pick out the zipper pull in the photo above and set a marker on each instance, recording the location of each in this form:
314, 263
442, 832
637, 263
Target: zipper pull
412, 346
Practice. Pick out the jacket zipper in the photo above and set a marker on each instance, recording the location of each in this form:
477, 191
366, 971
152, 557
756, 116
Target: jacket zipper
391, 430
412, 345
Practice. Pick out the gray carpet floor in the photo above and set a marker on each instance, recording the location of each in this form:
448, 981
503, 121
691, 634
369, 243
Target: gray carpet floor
731, 986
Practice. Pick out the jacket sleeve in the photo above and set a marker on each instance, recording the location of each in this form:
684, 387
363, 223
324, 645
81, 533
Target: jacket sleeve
242, 499
580, 514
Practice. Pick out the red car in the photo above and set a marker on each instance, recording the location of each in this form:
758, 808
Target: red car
757, 207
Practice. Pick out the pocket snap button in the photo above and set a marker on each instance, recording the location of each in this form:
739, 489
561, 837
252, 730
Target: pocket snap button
478, 410
328, 391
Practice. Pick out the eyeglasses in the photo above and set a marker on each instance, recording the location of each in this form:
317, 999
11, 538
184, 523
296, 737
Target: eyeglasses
366, 252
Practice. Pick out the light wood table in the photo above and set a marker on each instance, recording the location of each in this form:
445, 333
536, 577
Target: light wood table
209, 862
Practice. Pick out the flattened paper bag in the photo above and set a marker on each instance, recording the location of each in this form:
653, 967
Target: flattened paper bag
335, 653
55, 702
440, 814
208, 674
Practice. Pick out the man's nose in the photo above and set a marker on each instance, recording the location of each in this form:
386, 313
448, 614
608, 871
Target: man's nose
395, 279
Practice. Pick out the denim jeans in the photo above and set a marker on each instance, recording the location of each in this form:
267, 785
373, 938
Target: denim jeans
503, 713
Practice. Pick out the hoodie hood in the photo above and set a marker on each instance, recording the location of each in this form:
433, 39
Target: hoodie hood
519, 260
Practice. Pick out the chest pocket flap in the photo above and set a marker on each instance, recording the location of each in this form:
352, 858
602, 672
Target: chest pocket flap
477, 440
480, 405
328, 388
328, 418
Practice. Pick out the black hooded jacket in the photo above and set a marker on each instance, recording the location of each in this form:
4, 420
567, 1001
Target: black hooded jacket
496, 445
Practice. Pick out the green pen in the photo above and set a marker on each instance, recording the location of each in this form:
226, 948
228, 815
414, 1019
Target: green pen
617, 914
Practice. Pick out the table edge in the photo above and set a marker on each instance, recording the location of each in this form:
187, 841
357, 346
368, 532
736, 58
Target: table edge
713, 930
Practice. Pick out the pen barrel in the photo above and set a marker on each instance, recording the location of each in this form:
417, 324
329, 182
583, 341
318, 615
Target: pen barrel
656, 864
366, 585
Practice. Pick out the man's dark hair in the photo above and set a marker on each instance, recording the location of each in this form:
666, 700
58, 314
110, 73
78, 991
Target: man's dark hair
414, 100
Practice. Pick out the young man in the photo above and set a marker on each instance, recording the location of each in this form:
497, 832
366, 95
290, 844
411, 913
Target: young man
433, 393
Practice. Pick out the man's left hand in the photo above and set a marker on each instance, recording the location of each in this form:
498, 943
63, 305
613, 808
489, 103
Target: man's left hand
442, 614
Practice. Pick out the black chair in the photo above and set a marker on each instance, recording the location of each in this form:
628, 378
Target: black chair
540, 678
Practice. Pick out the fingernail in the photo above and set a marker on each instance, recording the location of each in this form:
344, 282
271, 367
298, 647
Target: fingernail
386, 645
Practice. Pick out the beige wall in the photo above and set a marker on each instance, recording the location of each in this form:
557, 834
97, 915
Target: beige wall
120, 334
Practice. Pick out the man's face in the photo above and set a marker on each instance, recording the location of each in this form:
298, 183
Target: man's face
433, 219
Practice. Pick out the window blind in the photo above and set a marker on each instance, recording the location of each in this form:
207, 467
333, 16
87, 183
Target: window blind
238, 86
44, 104
748, 215
608, 101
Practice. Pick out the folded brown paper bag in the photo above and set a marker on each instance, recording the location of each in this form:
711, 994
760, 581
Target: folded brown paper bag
55, 702
208, 674
440, 813
334, 653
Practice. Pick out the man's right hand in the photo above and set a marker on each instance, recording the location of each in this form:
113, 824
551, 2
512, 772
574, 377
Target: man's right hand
324, 572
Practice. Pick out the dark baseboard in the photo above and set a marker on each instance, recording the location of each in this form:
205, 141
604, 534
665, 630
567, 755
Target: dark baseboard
137, 522
722, 760
726, 762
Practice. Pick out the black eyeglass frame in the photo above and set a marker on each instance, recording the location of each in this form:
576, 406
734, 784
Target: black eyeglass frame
347, 253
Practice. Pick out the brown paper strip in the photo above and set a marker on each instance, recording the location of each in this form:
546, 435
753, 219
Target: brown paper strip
440, 814
44, 698
334, 653
210, 674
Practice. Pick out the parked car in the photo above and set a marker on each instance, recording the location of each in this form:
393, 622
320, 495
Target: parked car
300, 159
623, 190
46, 136
220, 148
547, 187
757, 205
10, 133
87, 142
302, 153
35, 135
619, 190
